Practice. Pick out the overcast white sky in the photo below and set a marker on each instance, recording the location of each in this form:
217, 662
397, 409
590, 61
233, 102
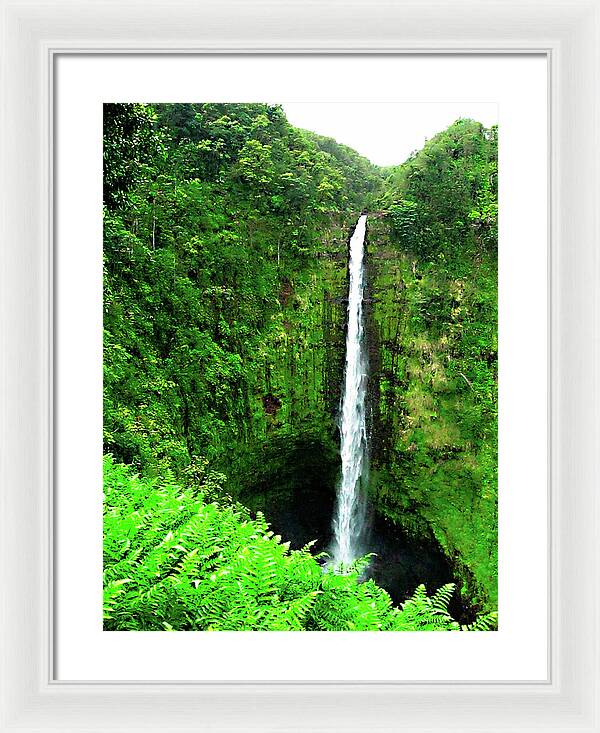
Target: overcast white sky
385, 133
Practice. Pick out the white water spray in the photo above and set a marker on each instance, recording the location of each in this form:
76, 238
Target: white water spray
350, 512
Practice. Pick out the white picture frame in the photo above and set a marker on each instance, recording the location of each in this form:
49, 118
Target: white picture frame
32, 35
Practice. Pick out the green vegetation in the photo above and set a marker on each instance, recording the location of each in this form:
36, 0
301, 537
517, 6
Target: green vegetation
176, 560
434, 273
225, 233
216, 220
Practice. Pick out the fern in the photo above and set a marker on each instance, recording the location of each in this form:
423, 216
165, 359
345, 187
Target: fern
174, 560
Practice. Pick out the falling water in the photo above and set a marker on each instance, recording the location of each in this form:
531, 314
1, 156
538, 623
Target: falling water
349, 516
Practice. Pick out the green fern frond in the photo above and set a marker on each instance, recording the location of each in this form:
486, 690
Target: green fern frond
175, 562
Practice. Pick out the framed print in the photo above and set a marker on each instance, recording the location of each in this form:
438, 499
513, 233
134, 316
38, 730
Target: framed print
300, 367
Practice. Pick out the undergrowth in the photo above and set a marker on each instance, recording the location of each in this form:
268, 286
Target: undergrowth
177, 559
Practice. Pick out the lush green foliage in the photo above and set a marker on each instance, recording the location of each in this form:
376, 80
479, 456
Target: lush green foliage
437, 321
444, 199
363, 179
178, 559
214, 215
224, 277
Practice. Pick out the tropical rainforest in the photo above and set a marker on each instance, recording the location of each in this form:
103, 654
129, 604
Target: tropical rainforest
226, 235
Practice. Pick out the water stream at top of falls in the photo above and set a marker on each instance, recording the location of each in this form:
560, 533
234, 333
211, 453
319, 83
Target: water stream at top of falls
350, 511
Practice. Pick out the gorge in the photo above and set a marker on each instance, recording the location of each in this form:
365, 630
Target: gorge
240, 314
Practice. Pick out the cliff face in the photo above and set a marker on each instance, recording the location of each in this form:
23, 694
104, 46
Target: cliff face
304, 344
432, 472
289, 465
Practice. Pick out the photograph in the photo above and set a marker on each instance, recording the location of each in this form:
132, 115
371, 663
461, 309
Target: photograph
300, 366
300, 334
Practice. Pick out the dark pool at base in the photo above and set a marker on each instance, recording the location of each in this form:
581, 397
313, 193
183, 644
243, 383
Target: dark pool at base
400, 564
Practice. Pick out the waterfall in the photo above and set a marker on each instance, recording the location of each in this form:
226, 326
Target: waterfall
350, 511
